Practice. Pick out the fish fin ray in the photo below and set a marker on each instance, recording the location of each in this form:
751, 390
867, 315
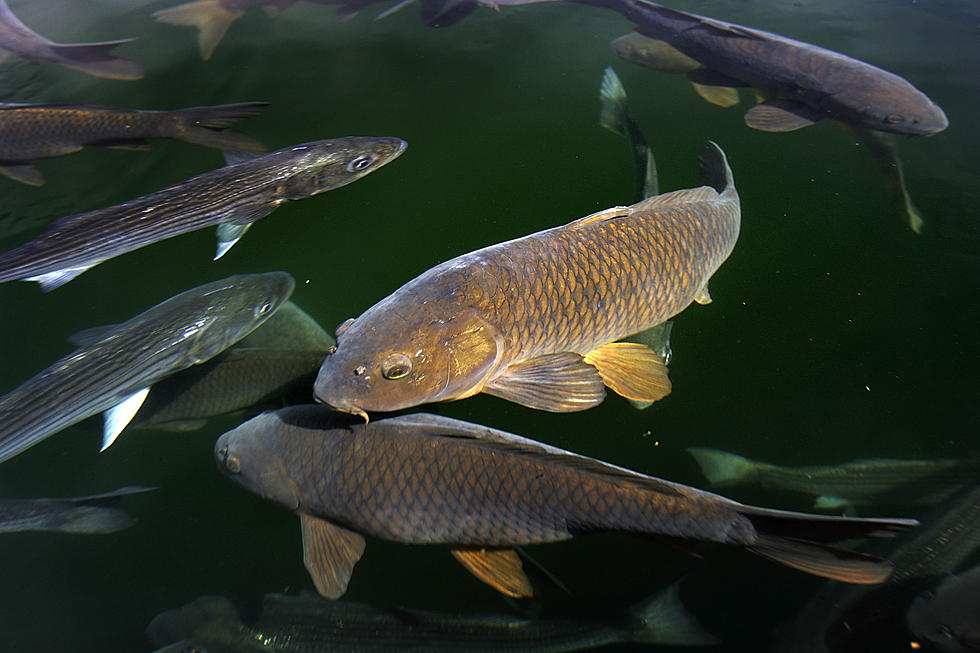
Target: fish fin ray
51, 280
229, 233
25, 173
722, 96
117, 417
557, 383
91, 335
209, 17
501, 569
823, 560
631, 370
614, 111
329, 553
601, 216
780, 115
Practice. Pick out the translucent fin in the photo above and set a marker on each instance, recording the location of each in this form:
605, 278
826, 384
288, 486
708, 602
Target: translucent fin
51, 280
501, 569
823, 560
97, 59
555, 382
117, 417
631, 370
723, 468
780, 115
392, 9
210, 17
329, 553
722, 96
826, 502
228, 235
702, 296
606, 214
24, 173
614, 110
663, 619
91, 335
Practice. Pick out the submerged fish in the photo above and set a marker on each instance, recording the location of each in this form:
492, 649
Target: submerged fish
949, 616
232, 197
92, 58
215, 624
275, 365
39, 131
616, 117
115, 365
424, 479
96, 514
861, 482
802, 83
535, 320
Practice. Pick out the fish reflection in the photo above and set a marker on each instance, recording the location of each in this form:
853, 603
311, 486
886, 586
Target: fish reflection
216, 624
92, 58
949, 616
115, 365
40, 131
800, 83
535, 320
424, 479
91, 515
232, 197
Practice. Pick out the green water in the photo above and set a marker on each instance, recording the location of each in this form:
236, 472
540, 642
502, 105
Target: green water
835, 333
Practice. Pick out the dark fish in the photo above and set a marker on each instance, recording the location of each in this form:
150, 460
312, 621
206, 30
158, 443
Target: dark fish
949, 616
884, 148
273, 366
92, 58
115, 365
616, 117
232, 197
802, 83
424, 479
216, 624
535, 320
39, 131
860, 482
92, 515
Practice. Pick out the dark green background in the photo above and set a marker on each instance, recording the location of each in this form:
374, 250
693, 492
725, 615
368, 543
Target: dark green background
835, 332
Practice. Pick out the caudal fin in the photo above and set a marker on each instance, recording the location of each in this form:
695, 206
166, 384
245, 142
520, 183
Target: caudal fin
723, 468
663, 619
208, 16
100, 513
97, 59
205, 126
715, 171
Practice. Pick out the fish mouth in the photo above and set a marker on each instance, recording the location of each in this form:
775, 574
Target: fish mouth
347, 408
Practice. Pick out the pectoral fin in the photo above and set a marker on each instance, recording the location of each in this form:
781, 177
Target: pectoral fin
702, 296
52, 280
559, 383
501, 569
780, 115
24, 173
117, 417
722, 96
229, 234
329, 553
631, 370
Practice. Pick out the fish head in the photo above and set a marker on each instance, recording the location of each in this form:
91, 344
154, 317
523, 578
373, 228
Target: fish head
892, 104
389, 359
255, 456
234, 307
324, 165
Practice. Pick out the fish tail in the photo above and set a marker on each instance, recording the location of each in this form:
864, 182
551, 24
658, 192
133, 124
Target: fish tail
802, 542
663, 619
97, 59
715, 171
205, 126
614, 111
723, 468
208, 16
614, 115
100, 513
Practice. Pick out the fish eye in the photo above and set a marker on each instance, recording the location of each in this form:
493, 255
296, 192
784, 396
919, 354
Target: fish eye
894, 119
263, 309
360, 162
396, 366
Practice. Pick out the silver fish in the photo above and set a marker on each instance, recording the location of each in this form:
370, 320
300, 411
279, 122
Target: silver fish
95, 514
232, 197
114, 369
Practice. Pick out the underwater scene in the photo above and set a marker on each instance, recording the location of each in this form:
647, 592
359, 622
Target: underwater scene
476, 325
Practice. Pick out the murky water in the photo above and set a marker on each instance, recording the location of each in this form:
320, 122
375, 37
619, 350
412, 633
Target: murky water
835, 333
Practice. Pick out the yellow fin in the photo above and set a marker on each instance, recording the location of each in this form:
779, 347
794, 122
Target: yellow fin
210, 17
631, 370
329, 553
560, 383
501, 569
722, 96
702, 296
605, 214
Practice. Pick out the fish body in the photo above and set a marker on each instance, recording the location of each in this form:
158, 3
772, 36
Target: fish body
949, 616
803, 83
114, 368
858, 482
96, 514
92, 58
534, 319
424, 479
232, 197
38, 131
310, 624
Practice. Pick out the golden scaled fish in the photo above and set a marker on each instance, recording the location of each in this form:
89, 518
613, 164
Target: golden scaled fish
536, 320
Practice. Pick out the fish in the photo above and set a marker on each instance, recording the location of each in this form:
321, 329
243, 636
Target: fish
115, 365
535, 320
91, 515
857, 482
616, 117
948, 617
40, 131
92, 58
232, 197
800, 83
275, 365
216, 623
426, 479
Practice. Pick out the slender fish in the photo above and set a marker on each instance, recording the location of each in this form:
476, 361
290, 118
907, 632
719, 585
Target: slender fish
39, 131
535, 320
115, 365
424, 479
92, 58
96, 514
232, 197
312, 625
